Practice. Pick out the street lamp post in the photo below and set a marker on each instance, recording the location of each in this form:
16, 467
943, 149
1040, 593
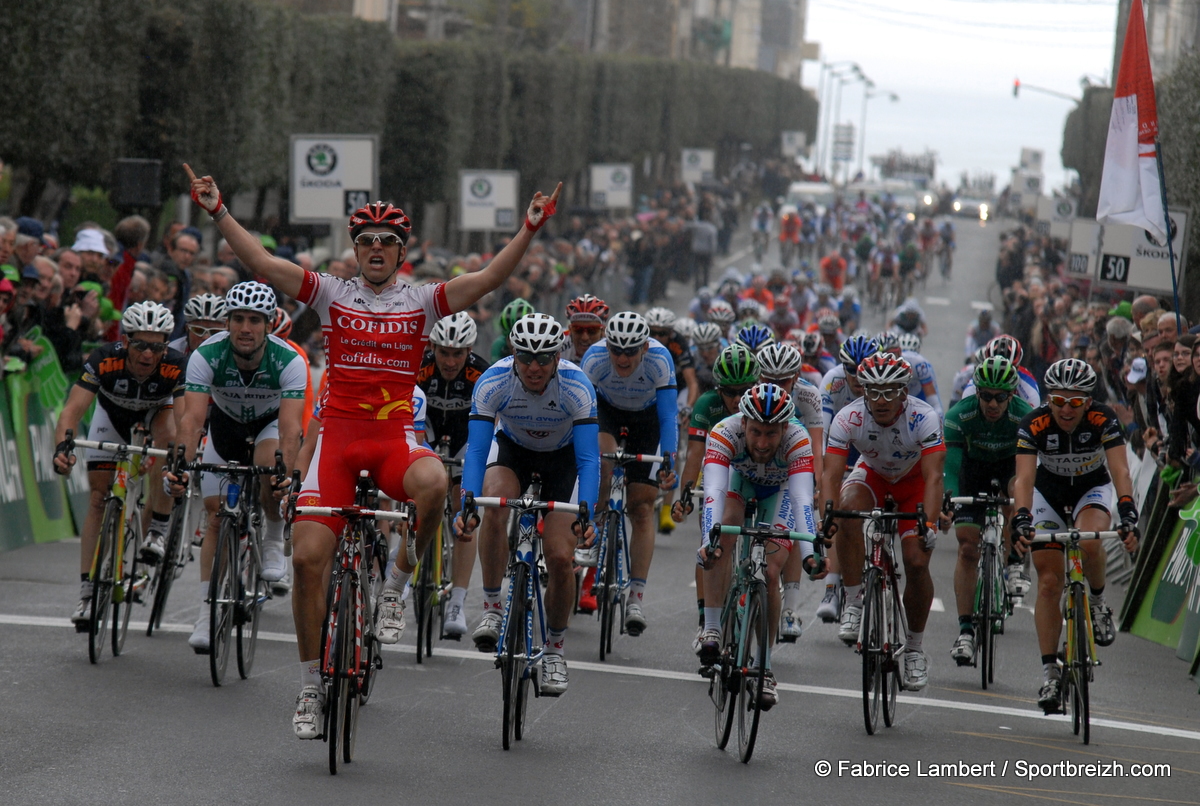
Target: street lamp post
856, 74
833, 70
862, 134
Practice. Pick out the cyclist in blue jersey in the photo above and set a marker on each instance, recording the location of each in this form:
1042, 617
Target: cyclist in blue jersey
910, 351
634, 377
546, 409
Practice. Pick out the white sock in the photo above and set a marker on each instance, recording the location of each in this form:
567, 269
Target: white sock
273, 531
712, 618
491, 600
396, 579
555, 640
791, 596
853, 593
637, 589
914, 640
833, 579
203, 597
310, 673
458, 596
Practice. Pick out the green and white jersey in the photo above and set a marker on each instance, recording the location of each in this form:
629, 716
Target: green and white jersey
211, 370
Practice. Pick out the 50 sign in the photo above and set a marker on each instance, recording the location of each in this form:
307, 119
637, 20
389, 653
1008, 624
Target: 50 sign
1114, 268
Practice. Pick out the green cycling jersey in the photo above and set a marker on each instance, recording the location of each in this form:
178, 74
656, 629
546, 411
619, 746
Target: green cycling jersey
212, 371
970, 436
708, 411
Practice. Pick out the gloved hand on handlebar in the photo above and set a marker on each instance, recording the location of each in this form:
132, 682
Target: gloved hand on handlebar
1022, 525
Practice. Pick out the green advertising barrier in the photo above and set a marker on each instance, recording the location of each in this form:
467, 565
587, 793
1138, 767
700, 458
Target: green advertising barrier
1159, 615
45, 493
15, 528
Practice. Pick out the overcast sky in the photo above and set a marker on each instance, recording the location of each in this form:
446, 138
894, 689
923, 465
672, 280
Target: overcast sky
952, 63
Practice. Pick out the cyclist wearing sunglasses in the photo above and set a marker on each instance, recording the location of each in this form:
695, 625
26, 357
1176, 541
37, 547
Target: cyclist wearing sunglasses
375, 329
840, 386
586, 316
764, 453
205, 317
707, 343
1008, 347
546, 409
634, 377
899, 440
1070, 463
135, 381
256, 383
981, 445
662, 329
923, 385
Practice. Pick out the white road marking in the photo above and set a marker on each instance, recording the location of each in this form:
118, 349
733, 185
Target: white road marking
936, 606
977, 305
667, 674
937, 301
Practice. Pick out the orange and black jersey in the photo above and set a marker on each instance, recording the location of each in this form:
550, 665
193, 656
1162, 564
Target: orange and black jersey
1076, 457
124, 398
448, 403
680, 349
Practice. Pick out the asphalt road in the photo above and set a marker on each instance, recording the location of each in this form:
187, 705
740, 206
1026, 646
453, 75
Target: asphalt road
149, 727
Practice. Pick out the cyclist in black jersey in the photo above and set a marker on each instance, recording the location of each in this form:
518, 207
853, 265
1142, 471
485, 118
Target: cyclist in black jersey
1070, 457
448, 374
137, 381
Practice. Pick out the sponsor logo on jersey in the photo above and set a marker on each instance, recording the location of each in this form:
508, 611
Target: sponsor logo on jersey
111, 365
168, 371
855, 418
1052, 442
1085, 436
408, 327
1097, 418
1039, 424
538, 434
121, 387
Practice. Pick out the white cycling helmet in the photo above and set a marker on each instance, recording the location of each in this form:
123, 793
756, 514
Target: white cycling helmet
685, 327
887, 341
147, 317
455, 331
1070, 375
251, 296
706, 333
204, 307
660, 317
721, 312
812, 343
749, 307
627, 329
779, 360
910, 342
536, 333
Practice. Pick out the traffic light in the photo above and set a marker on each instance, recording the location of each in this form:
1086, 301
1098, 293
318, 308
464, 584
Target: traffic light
1016, 86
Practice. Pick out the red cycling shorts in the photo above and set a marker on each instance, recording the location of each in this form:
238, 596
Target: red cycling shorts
383, 448
907, 491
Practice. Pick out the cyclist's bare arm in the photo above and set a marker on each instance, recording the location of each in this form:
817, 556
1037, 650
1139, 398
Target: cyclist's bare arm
1023, 487
831, 478
291, 425
195, 408
693, 385
465, 290
283, 274
75, 407
1118, 468
932, 470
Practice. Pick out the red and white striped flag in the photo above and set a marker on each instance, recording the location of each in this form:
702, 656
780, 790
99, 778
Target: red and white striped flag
1130, 192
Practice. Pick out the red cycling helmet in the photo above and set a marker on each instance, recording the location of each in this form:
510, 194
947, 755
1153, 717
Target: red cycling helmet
587, 308
381, 214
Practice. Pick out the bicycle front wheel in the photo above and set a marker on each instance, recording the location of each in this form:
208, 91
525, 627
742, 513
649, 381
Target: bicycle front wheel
1080, 668
422, 598
608, 589
254, 593
103, 579
376, 572
723, 688
124, 590
871, 647
349, 613
753, 659
222, 597
985, 627
512, 654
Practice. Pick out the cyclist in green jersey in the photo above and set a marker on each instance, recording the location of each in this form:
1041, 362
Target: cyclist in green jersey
508, 317
735, 370
981, 445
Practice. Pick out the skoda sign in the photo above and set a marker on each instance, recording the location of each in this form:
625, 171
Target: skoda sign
487, 200
329, 174
322, 159
611, 186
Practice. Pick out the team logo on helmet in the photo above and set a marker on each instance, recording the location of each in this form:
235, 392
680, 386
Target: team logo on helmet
321, 159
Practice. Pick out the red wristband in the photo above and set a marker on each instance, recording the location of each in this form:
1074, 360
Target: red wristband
547, 211
220, 202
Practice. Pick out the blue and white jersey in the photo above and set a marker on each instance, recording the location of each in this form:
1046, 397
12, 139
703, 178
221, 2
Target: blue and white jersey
639, 390
922, 374
419, 401
835, 395
538, 422
1027, 388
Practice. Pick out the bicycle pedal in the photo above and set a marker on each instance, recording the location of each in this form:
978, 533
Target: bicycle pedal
201, 650
81, 627
708, 672
786, 639
446, 637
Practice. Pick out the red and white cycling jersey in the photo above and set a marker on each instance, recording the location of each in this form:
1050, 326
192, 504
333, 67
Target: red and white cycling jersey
373, 343
889, 450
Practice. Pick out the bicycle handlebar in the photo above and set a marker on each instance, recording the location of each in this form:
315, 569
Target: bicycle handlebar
1055, 537
760, 533
622, 458
354, 513
529, 505
115, 447
980, 500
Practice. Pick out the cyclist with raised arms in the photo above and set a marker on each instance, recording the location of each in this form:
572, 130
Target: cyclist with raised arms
546, 409
256, 383
1008, 347
781, 365
205, 317
899, 440
981, 446
375, 331
634, 378
586, 316
501, 348
735, 371
135, 381
1070, 462
763, 453
448, 375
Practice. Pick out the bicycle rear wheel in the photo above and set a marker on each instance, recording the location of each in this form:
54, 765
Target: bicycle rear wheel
512, 667
753, 655
726, 677
124, 590
253, 593
871, 648
607, 588
422, 597
222, 597
102, 584
1080, 669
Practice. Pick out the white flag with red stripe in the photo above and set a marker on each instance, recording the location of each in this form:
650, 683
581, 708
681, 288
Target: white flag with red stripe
1130, 192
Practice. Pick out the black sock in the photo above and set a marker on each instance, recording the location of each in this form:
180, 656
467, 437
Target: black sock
1048, 659
85, 576
159, 522
1095, 592
965, 626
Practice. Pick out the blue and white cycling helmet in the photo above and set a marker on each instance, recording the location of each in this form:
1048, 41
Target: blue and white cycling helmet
856, 350
755, 337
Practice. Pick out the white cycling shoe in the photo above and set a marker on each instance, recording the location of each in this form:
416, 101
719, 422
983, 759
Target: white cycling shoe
851, 620
916, 671
389, 626
200, 640
456, 621
308, 721
554, 676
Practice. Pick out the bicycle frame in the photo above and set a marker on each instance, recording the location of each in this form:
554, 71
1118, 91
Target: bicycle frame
988, 616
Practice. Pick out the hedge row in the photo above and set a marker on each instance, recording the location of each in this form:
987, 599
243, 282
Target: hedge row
222, 83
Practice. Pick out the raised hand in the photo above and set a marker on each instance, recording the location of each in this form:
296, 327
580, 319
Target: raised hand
541, 208
204, 191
